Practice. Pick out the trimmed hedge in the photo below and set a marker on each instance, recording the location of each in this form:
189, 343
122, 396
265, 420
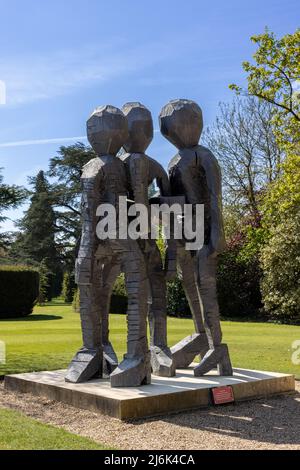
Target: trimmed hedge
19, 289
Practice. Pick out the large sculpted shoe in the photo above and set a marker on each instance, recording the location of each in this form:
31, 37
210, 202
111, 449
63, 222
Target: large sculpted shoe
85, 365
188, 348
162, 362
110, 360
132, 372
215, 358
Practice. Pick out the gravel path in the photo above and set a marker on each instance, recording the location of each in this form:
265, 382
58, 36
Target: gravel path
272, 423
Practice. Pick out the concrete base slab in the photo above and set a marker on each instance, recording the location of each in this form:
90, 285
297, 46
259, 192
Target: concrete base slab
164, 395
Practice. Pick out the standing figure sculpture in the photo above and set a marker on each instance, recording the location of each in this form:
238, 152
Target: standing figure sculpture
142, 171
194, 173
103, 182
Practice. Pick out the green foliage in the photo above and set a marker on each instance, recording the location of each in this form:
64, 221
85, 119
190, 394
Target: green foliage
19, 288
44, 282
282, 200
18, 432
118, 302
119, 286
274, 77
280, 256
66, 168
10, 198
276, 69
36, 242
68, 287
238, 283
281, 266
177, 304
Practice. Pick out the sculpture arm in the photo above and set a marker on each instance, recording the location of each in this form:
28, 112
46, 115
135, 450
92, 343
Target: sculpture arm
163, 183
214, 184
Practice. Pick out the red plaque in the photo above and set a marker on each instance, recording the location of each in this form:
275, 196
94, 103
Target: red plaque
222, 395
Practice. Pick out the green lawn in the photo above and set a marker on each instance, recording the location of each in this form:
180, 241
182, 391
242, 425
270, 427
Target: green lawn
18, 432
48, 338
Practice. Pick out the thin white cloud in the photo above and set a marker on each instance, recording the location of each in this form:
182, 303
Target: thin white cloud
35, 78
56, 140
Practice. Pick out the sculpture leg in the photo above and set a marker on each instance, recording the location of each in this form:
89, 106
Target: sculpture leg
196, 344
87, 363
109, 273
135, 369
218, 355
161, 356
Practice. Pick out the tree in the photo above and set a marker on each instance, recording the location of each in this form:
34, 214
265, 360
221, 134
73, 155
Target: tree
36, 241
66, 168
280, 257
244, 142
275, 75
10, 198
275, 78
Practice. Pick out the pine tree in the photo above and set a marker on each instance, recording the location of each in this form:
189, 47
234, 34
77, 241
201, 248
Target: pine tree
36, 242
11, 196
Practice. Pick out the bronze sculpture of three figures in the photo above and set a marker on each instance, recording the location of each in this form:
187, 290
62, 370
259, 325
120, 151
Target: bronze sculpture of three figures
195, 179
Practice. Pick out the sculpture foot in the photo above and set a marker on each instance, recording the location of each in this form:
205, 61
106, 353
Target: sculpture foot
215, 358
110, 360
188, 348
162, 362
132, 372
85, 365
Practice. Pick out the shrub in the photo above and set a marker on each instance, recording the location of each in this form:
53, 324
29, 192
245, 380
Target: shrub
44, 283
177, 304
280, 260
119, 286
238, 285
68, 287
280, 257
19, 289
118, 303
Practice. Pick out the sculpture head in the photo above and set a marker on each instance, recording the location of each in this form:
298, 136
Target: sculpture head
107, 130
140, 127
181, 123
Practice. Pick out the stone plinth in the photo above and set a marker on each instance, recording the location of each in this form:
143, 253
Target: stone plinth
164, 395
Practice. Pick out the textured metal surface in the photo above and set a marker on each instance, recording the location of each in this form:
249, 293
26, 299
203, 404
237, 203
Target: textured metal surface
140, 127
99, 261
141, 172
194, 172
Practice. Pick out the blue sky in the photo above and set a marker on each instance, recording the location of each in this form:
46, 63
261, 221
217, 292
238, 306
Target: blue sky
60, 59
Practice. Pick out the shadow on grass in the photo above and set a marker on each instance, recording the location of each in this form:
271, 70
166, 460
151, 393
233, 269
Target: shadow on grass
36, 317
